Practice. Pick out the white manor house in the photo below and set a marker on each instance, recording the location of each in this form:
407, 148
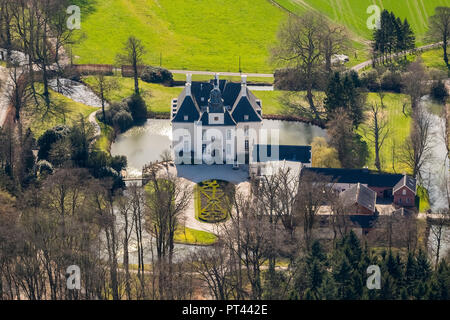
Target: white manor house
220, 122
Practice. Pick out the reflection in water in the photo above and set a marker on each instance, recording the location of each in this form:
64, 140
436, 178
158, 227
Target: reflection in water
146, 143
436, 173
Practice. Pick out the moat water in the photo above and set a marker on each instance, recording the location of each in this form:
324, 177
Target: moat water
146, 143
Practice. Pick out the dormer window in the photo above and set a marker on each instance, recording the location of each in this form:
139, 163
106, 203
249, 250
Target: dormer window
246, 117
186, 118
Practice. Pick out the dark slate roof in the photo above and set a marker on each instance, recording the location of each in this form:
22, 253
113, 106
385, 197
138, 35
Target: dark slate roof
406, 181
231, 93
227, 120
289, 153
243, 107
359, 194
186, 106
342, 175
364, 221
364, 176
383, 179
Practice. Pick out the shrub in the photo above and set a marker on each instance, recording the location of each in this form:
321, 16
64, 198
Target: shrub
122, 120
157, 75
439, 91
118, 163
137, 107
49, 137
294, 80
371, 81
391, 81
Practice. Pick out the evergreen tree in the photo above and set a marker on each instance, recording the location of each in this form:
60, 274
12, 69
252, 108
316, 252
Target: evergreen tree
393, 36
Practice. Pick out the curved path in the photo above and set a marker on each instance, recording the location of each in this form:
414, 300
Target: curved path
367, 63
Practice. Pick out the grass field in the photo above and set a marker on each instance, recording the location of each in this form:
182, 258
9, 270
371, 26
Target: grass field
158, 97
185, 235
212, 35
353, 13
34, 118
434, 59
189, 34
399, 128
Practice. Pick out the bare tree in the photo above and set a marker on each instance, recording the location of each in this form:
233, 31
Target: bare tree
167, 199
413, 82
335, 41
134, 52
103, 86
214, 270
300, 47
416, 150
439, 29
378, 130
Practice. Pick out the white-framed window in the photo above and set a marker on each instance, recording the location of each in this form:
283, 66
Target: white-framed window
404, 192
246, 130
246, 117
186, 118
229, 134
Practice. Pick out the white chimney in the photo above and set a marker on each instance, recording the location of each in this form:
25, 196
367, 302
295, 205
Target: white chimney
188, 84
244, 85
216, 80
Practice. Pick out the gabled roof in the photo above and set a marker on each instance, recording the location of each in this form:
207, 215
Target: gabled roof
360, 194
186, 106
289, 153
245, 107
406, 181
233, 96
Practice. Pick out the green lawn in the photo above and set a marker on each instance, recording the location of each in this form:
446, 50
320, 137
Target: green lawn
39, 122
200, 77
353, 13
157, 97
189, 34
106, 137
187, 235
424, 199
434, 59
399, 128
212, 35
